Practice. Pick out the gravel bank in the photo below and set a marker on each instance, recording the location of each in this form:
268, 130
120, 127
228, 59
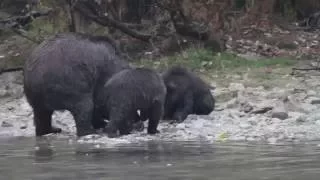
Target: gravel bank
274, 115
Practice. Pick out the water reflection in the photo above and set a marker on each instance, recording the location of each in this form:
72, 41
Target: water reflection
54, 158
43, 150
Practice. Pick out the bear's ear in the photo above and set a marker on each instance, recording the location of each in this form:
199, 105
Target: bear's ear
172, 85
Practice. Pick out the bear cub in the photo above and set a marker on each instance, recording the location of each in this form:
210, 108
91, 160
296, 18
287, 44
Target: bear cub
186, 94
130, 96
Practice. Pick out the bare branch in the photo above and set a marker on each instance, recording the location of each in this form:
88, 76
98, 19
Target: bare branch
19, 21
106, 21
23, 34
181, 23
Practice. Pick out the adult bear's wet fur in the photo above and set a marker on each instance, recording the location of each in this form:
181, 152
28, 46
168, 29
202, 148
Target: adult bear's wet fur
186, 94
127, 92
64, 73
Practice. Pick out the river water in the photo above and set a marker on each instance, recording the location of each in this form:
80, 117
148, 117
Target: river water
61, 158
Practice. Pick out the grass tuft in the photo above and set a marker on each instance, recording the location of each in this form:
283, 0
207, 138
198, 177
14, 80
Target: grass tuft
205, 60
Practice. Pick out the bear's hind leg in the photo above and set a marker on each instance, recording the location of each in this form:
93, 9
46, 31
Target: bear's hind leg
42, 121
98, 120
83, 114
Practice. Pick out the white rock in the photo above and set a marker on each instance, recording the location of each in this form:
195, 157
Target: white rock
311, 93
272, 140
245, 125
236, 87
250, 139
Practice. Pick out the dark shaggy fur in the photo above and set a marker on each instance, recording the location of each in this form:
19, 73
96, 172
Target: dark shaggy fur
186, 94
64, 73
127, 92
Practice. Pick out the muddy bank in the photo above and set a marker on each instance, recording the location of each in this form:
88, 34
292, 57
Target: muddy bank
248, 110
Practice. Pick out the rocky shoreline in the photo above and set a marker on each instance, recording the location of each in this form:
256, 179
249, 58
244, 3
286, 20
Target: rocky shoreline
288, 112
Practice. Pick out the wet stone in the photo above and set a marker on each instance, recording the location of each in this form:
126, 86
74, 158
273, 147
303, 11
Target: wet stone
246, 107
262, 110
236, 87
301, 119
232, 103
315, 101
272, 140
6, 124
280, 115
280, 112
3, 93
24, 127
245, 125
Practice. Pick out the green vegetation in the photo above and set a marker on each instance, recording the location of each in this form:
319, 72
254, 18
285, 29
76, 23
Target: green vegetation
205, 60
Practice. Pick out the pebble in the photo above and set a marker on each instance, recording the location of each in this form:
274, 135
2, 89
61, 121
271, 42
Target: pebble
246, 108
3, 93
301, 119
262, 110
24, 127
279, 112
315, 101
6, 124
280, 115
311, 93
233, 103
238, 138
236, 87
272, 140
250, 139
181, 126
245, 125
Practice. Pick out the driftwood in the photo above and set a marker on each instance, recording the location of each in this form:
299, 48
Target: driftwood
306, 69
11, 70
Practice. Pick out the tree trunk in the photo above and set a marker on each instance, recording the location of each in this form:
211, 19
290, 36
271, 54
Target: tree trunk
259, 12
262, 8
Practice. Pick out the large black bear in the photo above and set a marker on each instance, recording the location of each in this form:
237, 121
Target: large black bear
129, 91
186, 94
65, 72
